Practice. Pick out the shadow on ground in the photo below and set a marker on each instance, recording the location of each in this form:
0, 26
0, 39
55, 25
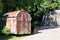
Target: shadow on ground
11, 37
3, 37
46, 27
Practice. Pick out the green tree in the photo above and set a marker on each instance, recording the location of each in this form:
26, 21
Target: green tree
37, 8
1, 8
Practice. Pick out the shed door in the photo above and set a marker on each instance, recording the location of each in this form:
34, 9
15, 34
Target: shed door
20, 28
23, 24
26, 23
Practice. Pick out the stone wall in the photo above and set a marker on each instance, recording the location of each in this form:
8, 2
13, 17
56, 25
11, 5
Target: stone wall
52, 18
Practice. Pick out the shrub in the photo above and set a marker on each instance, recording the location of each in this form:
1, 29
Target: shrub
5, 31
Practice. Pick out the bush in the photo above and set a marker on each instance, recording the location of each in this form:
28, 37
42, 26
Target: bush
5, 31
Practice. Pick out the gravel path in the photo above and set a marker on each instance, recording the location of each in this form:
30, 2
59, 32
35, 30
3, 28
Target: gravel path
46, 33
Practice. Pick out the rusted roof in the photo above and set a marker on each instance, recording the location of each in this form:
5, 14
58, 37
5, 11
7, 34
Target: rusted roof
10, 14
13, 14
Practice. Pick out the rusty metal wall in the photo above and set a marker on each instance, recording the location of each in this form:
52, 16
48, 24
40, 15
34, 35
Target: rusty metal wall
20, 24
24, 24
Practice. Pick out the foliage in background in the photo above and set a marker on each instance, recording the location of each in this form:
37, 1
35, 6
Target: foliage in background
1, 8
37, 8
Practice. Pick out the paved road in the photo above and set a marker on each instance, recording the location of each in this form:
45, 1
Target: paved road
46, 33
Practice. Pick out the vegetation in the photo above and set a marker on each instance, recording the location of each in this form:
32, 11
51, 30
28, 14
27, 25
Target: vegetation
37, 8
5, 31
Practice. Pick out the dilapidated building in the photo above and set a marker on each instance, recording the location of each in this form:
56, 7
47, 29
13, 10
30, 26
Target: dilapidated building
18, 22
